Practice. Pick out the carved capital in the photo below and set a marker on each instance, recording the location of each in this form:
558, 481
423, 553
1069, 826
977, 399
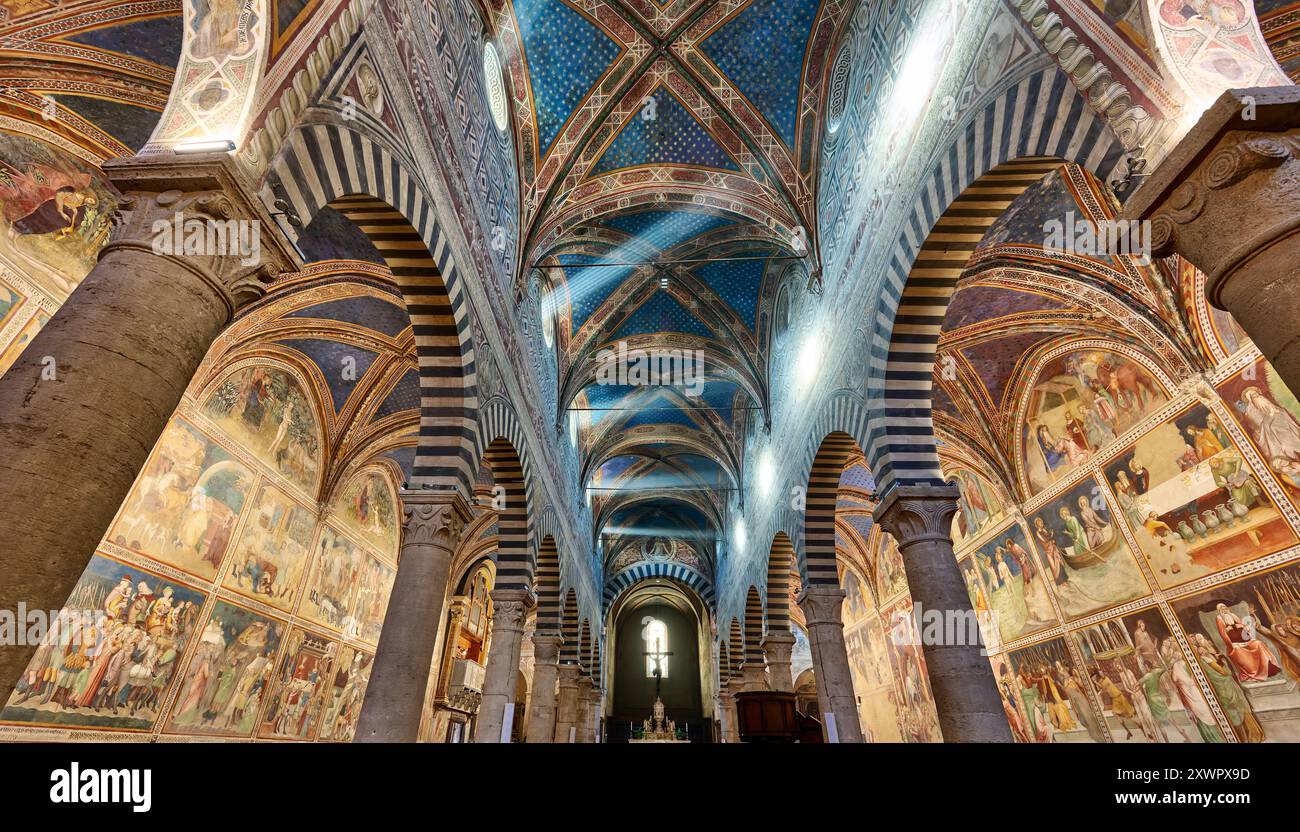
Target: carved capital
568, 676
777, 646
198, 213
585, 686
1231, 188
433, 518
821, 604
509, 607
546, 648
913, 513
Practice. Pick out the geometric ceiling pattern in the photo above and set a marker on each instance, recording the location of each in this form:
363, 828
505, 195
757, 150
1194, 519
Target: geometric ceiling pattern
668, 182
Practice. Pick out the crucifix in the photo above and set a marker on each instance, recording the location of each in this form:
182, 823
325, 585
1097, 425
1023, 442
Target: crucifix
657, 655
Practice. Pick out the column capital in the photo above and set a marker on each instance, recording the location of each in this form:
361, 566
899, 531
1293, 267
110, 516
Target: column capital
912, 513
821, 604
546, 648
776, 639
585, 685
433, 517
509, 607
200, 212
569, 675
1227, 190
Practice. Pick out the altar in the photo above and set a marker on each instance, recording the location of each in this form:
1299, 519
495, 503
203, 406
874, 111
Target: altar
657, 729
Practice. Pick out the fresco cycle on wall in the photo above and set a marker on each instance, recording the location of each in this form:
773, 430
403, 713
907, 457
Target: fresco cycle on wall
274, 546
185, 504
873, 682
265, 410
298, 687
1008, 588
1143, 679
1270, 415
1079, 403
1193, 502
979, 506
108, 658
1044, 696
349, 588
1246, 637
226, 679
1087, 562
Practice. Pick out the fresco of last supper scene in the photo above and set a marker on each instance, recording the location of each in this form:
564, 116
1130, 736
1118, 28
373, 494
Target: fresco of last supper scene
650, 371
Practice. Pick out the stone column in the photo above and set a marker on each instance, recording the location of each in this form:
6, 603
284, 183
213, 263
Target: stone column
777, 646
1227, 198
84, 404
730, 718
821, 606
509, 606
566, 709
753, 676
541, 721
582, 716
431, 528
961, 677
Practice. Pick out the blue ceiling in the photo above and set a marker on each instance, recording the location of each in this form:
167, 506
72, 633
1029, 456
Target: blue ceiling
662, 313
566, 54
672, 137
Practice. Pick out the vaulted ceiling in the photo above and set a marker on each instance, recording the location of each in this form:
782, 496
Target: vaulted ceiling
668, 180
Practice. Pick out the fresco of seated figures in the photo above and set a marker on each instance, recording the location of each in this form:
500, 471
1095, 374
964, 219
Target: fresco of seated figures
1270, 415
272, 551
873, 681
1147, 689
265, 410
1193, 502
226, 679
1246, 637
1082, 550
1079, 404
1008, 589
979, 506
349, 587
346, 692
1044, 695
108, 658
298, 688
367, 507
185, 504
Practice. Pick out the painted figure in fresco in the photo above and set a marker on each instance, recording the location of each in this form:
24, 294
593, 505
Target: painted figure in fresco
1119, 702
1205, 441
44, 199
1231, 696
1022, 558
1074, 530
1093, 524
1047, 543
1250, 657
1189, 693
1285, 635
1274, 428
1230, 474
219, 31
1141, 476
1079, 702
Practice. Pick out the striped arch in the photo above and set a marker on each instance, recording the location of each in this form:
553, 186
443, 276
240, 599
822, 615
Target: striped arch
780, 565
497, 420
818, 566
1030, 128
584, 647
514, 563
753, 628
328, 165
735, 648
569, 628
633, 575
596, 668
548, 587
724, 662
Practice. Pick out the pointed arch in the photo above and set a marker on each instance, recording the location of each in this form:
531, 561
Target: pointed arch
780, 566
514, 563
569, 628
327, 165
548, 587
818, 566
735, 647
753, 628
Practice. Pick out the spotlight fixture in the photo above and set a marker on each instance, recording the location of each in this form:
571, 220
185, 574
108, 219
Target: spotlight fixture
214, 146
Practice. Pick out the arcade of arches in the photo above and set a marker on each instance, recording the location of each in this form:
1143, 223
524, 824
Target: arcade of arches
521, 370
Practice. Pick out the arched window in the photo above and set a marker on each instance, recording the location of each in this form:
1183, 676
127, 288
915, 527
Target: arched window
655, 634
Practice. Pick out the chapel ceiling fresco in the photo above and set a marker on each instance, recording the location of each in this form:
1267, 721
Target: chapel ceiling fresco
668, 192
